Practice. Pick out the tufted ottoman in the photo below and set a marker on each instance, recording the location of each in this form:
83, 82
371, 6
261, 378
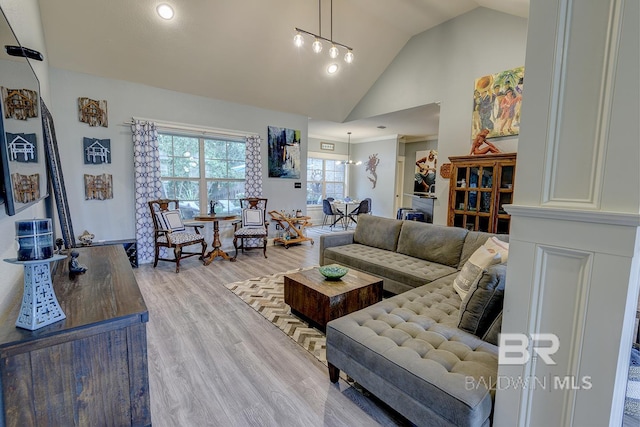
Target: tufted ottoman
407, 351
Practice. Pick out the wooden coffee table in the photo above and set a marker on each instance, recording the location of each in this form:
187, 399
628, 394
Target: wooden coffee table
312, 297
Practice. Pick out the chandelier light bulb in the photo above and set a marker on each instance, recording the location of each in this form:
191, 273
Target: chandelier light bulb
348, 57
317, 46
333, 52
298, 40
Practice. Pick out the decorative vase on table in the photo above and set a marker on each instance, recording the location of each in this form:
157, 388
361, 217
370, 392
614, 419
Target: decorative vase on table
40, 306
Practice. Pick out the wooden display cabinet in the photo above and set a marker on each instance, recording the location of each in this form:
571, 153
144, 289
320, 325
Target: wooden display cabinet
479, 187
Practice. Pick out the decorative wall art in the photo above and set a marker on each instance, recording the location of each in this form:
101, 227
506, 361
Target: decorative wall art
20, 104
497, 99
426, 167
284, 153
22, 147
26, 188
93, 112
445, 170
372, 165
328, 146
98, 187
96, 151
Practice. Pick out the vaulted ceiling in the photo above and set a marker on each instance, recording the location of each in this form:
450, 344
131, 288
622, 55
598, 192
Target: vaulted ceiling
242, 50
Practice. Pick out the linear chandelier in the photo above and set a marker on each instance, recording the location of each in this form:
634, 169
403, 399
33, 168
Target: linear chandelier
298, 39
349, 161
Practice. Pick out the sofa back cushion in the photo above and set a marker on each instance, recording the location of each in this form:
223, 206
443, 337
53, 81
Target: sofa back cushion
377, 232
435, 243
484, 301
474, 240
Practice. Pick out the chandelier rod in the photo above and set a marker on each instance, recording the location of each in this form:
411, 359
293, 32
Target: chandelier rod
320, 17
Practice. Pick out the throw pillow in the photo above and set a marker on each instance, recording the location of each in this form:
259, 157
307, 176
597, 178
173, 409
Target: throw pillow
483, 303
495, 244
252, 218
173, 220
472, 270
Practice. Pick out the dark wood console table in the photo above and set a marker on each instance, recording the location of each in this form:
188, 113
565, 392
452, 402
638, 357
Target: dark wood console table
90, 368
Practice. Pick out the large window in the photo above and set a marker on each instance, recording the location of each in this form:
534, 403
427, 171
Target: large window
325, 178
197, 170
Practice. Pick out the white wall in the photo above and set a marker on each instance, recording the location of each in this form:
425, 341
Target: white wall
360, 187
442, 64
114, 219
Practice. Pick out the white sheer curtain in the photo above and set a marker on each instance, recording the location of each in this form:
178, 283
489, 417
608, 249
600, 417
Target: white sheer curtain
146, 162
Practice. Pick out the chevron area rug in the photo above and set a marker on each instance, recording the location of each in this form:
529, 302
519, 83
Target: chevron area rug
266, 296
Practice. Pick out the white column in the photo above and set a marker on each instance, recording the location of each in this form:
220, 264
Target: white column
573, 264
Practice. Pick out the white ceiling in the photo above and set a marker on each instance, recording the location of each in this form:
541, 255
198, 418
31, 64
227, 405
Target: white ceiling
242, 51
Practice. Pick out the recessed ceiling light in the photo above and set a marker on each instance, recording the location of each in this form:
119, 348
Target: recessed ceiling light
165, 11
331, 69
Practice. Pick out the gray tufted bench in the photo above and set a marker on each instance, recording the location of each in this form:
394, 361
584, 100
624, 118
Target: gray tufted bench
408, 352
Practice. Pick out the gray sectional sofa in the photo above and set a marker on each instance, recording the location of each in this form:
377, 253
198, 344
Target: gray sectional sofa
426, 352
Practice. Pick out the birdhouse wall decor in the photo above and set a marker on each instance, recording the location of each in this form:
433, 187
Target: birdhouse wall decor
96, 151
93, 112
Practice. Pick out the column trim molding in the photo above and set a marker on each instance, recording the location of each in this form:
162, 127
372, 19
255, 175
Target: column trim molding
581, 215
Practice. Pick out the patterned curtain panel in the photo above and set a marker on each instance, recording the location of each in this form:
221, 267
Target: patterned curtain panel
253, 177
146, 162
253, 167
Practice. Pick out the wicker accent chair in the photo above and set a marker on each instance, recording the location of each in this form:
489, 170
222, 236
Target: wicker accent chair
171, 232
253, 224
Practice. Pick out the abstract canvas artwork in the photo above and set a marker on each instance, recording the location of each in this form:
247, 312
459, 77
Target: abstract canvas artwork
93, 112
284, 153
20, 104
96, 151
98, 187
497, 100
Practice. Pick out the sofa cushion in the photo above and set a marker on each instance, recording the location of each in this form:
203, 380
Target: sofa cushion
435, 243
502, 248
492, 335
377, 232
473, 240
484, 301
473, 269
386, 264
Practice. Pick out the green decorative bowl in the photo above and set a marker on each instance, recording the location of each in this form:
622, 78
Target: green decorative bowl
333, 271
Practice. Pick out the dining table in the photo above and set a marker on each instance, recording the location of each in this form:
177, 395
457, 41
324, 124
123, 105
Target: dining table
346, 206
216, 245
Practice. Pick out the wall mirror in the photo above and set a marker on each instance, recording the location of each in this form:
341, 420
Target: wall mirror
23, 177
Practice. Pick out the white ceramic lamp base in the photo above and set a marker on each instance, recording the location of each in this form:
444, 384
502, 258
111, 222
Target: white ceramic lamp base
40, 306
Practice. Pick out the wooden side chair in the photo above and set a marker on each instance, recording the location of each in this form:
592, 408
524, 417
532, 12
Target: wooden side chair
171, 232
253, 224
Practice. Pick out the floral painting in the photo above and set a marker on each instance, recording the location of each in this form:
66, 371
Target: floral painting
284, 153
497, 99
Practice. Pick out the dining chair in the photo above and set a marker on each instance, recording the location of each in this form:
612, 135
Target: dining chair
171, 233
331, 211
361, 209
253, 224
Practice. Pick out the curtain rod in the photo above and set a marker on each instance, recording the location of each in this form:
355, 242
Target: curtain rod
192, 128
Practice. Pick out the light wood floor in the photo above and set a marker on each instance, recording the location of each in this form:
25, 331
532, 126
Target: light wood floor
214, 361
